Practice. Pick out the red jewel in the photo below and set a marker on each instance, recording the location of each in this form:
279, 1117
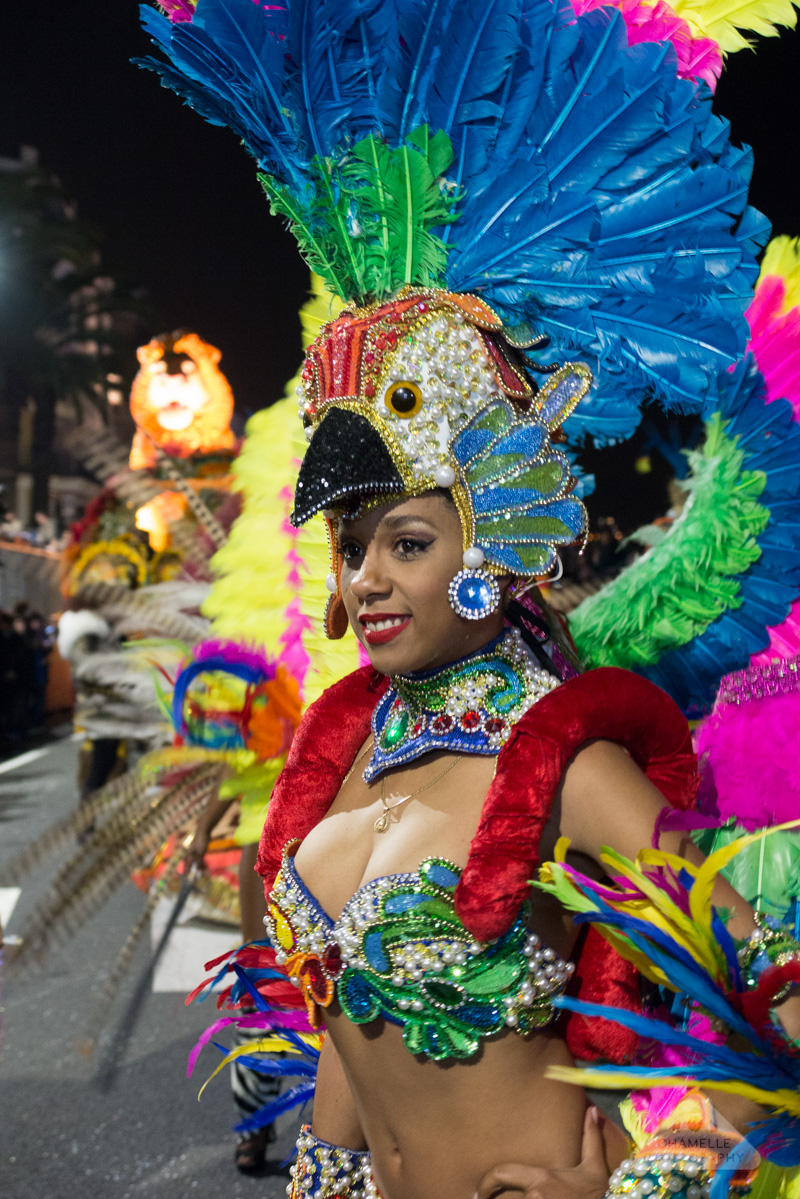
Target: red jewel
332, 961
494, 725
380, 342
443, 723
391, 337
471, 721
369, 357
369, 390
419, 727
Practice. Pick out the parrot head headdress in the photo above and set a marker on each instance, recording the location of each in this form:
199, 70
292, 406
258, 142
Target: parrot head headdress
515, 204
425, 392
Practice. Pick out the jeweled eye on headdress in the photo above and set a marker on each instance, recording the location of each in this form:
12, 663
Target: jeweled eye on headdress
404, 399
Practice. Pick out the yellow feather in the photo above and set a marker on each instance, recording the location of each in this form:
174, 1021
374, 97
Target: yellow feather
727, 22
273, 1044
781, 1100
782, 257
665, 913
250, 598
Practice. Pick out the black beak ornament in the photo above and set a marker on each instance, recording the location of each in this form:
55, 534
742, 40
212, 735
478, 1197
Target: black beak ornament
346, 461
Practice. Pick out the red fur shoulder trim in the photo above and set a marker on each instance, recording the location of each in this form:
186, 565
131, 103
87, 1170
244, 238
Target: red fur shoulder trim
608, 704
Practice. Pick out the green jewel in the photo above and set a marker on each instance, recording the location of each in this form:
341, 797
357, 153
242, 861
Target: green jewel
396, 729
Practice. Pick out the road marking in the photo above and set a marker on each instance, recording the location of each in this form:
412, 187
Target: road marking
8, 901
23, 759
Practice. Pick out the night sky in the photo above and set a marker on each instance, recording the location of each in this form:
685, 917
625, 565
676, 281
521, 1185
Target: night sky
178, 201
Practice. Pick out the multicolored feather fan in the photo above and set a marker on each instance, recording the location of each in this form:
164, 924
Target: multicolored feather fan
658, 912
721, 584
512, 149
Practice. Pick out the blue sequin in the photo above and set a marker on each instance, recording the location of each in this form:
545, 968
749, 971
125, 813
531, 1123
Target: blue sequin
439, 875
359, 997
397, 904
373, 950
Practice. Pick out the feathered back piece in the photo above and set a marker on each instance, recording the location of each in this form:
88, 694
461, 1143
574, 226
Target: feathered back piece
507, 148
721, 587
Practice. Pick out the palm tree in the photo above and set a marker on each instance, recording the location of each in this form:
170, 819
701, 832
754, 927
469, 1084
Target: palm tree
68, 329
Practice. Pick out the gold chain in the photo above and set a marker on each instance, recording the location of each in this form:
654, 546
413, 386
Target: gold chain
360, 758
385, 818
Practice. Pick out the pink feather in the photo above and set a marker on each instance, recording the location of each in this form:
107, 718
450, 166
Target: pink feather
775, 342
750, 761
698, 58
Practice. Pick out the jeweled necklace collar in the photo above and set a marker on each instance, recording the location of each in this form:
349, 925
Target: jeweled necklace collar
468, 707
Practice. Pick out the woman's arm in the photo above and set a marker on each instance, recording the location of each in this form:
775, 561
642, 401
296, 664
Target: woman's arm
335, 1117
605, 799
588, 1180
211, 814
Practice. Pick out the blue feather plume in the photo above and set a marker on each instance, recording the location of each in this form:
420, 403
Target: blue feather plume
598, 199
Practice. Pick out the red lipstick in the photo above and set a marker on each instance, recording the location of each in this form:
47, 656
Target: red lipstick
374, 636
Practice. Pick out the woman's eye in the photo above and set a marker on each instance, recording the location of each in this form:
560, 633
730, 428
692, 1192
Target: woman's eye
408, 546
349, 550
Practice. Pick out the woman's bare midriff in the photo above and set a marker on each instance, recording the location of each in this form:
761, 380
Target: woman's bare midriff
436, 1129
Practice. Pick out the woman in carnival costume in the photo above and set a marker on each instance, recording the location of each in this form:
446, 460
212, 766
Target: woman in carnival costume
491, 189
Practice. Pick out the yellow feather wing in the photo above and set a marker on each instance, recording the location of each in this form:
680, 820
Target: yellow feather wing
728, 22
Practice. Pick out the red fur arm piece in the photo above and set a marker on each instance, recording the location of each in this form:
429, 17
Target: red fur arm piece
606, 704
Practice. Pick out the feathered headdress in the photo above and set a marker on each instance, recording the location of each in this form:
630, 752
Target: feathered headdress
479, 180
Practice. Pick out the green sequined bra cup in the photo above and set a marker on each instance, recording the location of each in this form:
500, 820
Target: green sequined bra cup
399, 951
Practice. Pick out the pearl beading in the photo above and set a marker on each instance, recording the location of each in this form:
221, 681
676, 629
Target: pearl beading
660, 1176
325, 1171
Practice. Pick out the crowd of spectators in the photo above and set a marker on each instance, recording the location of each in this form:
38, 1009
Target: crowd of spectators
42, 533
25, 642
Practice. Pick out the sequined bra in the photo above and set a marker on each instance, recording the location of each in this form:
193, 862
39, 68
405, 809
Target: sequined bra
399, 951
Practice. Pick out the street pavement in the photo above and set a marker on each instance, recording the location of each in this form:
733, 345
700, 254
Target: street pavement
62, 1136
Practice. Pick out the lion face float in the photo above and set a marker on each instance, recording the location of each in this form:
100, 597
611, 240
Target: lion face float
180, 400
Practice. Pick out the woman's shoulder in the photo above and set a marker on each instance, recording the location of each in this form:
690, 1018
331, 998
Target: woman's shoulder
611, 704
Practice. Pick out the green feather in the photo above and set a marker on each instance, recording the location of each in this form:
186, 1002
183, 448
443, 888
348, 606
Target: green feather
314, 246
366, 223
398, 199
766, 874
675, 590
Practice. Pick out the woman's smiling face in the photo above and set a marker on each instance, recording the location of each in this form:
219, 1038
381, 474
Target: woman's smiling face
398, 561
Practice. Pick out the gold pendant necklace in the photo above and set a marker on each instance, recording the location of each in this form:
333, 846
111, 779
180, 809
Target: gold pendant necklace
386, 817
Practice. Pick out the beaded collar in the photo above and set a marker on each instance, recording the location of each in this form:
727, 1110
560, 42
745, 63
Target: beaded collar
468, 707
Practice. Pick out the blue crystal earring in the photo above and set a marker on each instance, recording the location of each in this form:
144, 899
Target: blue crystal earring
474, 593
